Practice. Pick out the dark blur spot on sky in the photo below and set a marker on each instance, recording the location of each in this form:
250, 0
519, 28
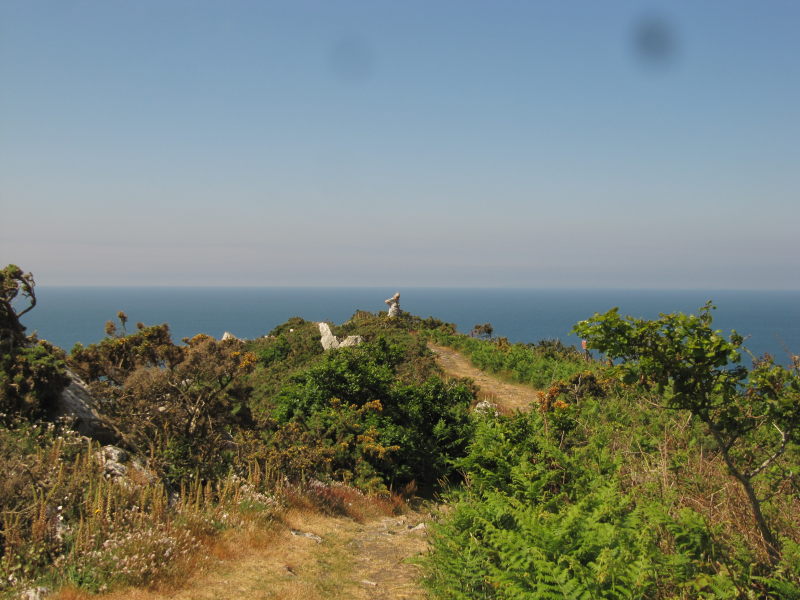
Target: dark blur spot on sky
351, 60
655, 41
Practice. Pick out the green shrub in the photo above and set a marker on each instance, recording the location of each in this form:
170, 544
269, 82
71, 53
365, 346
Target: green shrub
287, 349
31, 378
566, 502
536, 522
32, 372
174, 404
354, 399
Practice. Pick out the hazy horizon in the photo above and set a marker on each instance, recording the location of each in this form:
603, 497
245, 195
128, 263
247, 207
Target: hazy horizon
425, 287
65, 315
451, 144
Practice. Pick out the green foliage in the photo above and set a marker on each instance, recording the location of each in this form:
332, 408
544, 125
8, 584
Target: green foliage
784, 582
680, 354
374, 415
373, 422
32, 372
370, 325
175, 403
31, 378
413, 362
274, 350
753, 416
584, 500
537, 522
287, 349
114, 358
538, 365
14, 284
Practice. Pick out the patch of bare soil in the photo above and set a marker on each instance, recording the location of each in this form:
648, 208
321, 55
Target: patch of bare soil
383, 551
313, 557
508, 397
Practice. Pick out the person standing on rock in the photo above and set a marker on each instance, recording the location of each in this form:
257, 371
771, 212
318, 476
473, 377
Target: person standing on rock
394, 305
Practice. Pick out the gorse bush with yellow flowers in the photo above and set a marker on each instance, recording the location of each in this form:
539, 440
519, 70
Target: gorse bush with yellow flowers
388, 430
175, 404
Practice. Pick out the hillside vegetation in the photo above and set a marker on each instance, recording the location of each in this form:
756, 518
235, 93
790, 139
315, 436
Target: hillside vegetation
671, 474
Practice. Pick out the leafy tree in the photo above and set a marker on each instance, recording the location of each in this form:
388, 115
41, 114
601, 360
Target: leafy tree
32, 372
752, 415
13, 284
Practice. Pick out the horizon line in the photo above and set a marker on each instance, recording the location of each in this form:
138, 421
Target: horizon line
416, 287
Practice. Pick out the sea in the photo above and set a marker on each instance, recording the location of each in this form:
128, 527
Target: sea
770, 320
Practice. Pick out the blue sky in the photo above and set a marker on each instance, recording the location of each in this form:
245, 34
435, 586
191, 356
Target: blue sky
525, 144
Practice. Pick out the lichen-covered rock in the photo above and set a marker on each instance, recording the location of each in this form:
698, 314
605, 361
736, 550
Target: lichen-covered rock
77, 404
113, 460
331, 342
328, 340
37, 593
119, 465
351, 340
486, 407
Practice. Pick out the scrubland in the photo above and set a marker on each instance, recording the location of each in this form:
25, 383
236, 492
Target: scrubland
671, 472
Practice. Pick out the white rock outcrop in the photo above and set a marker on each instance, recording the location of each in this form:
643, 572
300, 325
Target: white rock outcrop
484, 406
351, 340
77, 404
394, 305
228, 336
330, 341
120, 466
37, 593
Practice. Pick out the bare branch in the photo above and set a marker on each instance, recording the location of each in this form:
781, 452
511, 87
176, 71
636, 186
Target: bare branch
774, 457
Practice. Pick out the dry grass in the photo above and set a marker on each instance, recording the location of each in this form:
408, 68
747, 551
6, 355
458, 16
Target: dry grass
336, 499
357, 560
702, 483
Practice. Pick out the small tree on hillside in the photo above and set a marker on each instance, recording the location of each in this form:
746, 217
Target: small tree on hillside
14, 283
32, 372
482, 331
752, 415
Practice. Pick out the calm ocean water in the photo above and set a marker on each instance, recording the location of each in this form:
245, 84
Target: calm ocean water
66, 315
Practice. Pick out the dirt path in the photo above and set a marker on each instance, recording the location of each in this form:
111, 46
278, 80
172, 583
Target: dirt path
508, 397
314, 557
311, 556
